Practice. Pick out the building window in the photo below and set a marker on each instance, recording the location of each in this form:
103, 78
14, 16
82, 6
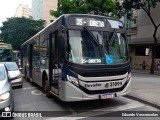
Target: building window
141, 50
157, 49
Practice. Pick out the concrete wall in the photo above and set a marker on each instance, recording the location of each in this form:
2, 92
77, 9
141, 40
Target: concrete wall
144, 26
49, 5
41, 9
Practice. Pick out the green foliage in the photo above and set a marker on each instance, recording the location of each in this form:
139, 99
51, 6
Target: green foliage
69, 6
101, 7
146, 5
97, 7
17, 30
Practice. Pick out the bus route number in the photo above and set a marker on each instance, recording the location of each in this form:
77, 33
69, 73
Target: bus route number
79, 21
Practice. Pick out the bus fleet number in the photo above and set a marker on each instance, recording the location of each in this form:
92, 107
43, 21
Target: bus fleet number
113, 84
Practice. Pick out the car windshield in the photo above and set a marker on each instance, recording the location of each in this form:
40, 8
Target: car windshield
11, 66
96, 47
2, 73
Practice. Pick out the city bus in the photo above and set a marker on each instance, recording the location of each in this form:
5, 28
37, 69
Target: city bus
79, 57
6, 52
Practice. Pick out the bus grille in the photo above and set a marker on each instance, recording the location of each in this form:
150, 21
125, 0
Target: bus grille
100, 74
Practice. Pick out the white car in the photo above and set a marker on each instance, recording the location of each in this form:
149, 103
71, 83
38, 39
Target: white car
6, 94
14, 74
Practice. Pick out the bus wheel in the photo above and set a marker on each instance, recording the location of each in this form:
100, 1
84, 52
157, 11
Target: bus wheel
46, 87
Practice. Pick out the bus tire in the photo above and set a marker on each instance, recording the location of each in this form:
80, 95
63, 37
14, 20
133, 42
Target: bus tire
46, 87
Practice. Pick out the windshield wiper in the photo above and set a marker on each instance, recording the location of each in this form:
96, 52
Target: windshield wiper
92, 36
113, 36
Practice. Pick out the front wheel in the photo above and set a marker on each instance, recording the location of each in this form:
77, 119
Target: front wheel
46, 87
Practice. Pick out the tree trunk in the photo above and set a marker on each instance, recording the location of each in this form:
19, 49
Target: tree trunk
153, 59
153, 51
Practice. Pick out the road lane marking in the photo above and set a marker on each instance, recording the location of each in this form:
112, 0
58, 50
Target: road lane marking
96, 112
36, 92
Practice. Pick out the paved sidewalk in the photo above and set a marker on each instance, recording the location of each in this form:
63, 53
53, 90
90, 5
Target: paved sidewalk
145, 87
145, 72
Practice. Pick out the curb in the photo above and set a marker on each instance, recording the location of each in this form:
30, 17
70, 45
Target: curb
145, 101
145, 72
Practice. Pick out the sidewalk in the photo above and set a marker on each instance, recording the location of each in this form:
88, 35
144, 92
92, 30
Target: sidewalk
145, 87
145, 72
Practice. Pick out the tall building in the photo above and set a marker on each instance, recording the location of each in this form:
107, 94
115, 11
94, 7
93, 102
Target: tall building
41, 9
23, 11
141, 39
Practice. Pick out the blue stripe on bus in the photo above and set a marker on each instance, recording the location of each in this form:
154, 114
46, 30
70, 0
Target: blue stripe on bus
67, 71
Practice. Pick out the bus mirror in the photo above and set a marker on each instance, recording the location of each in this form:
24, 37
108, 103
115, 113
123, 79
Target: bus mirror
63, 30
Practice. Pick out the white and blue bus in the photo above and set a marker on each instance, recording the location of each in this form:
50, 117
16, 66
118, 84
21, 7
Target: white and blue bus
79, 57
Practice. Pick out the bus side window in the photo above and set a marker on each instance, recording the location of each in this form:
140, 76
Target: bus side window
54, 51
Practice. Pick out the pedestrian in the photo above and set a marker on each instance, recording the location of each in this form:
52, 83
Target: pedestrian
144, 65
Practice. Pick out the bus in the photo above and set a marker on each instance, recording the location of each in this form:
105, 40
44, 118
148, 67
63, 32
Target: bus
6, 52
79, 57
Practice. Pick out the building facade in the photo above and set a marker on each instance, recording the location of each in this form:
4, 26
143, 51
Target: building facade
140, 36
23, 11
41, 10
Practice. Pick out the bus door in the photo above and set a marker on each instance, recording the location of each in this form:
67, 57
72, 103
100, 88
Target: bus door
54, 67
36, 62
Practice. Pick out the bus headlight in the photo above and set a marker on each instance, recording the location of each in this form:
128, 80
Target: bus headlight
73, 80
4, 96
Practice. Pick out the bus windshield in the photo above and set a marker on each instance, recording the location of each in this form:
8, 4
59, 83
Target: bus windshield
5, 55
96, 47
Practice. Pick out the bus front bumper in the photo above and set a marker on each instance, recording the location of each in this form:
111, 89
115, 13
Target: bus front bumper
70, 92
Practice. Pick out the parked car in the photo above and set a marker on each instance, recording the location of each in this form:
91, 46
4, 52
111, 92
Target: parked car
6, 95
14, 73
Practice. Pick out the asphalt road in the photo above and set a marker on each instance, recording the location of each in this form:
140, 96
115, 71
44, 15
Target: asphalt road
30, 98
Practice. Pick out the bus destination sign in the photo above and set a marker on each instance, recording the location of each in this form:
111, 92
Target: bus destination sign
3, 46
82, 21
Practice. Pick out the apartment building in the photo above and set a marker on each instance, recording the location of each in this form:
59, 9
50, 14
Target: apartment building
140, 36
41, 9
23, 11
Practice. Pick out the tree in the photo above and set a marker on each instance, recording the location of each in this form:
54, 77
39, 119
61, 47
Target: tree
145, 5
101, 7
17, 30
69, 6
97, 7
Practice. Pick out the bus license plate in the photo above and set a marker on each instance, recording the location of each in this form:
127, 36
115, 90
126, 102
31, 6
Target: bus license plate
107, 96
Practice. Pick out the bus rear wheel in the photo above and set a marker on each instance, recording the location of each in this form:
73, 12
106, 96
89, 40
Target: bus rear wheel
46, 87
